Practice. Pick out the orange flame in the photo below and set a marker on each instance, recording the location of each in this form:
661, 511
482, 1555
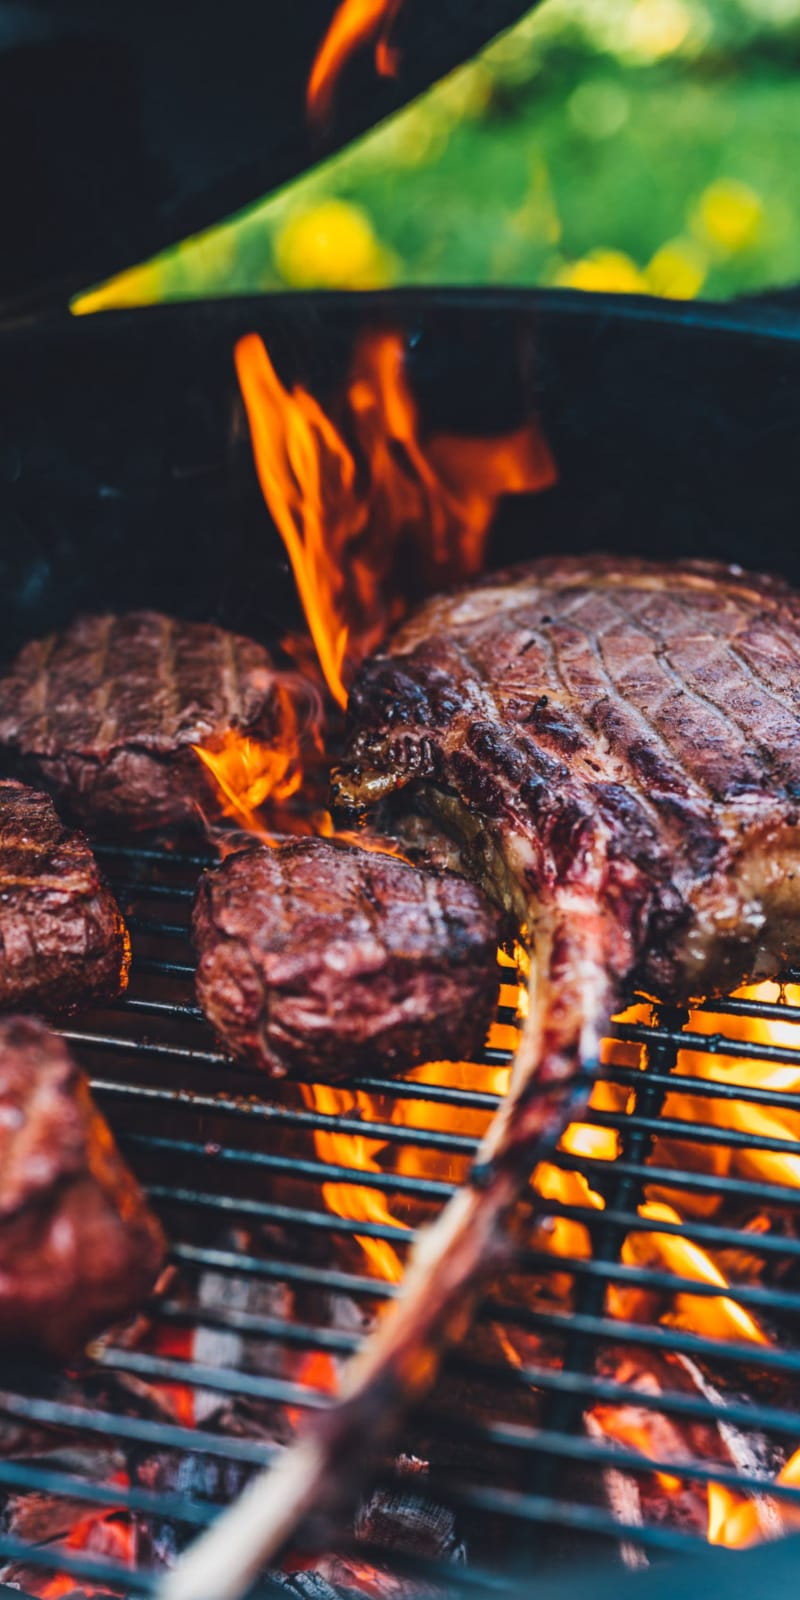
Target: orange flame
370, 529
737, 1520
250, 772
359, 1151
352, 1200
354, 23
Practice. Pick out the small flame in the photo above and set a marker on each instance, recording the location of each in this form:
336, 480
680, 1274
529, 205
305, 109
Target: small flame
354, 23
371, 529
250, 772
352, 1200
734, 1519
715, 1317
362, 1153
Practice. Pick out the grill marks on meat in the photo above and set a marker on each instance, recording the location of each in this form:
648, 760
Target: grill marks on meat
106, 713
617, 743
79, 1247
646, 714
62, 939
323, 958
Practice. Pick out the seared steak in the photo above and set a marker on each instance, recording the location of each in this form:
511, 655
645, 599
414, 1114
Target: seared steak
620, 741
78, 1246
62, 939
107, 712
325, 959
617, 742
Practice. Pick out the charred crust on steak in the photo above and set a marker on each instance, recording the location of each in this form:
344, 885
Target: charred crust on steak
322, 958
79, 1247
613, 720
63, 941
105, 714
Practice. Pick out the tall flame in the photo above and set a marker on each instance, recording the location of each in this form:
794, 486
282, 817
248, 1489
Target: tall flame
371, 527
354, 23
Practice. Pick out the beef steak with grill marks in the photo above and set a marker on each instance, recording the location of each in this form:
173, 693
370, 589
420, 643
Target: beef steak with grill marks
79, 1247
323, 958
62, 939
106, 713
620, 743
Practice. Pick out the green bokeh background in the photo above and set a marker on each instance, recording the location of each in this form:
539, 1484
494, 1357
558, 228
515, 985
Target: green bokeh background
610, 144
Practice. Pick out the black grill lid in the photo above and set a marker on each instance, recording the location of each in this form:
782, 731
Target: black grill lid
127, 126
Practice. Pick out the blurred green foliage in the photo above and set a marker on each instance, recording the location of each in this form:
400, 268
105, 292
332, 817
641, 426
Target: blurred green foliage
626, 144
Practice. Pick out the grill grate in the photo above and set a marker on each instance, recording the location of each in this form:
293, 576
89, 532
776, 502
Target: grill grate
269, 1287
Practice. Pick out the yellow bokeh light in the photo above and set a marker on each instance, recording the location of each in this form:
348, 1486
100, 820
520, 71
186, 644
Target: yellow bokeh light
602, 271
728, 215
331, 245
677, 271
656, 28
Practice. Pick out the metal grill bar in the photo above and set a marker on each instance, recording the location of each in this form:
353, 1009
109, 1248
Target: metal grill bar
709, 1044
66, 1486
108, 1575
688, 1182
289, 1166
707, 1088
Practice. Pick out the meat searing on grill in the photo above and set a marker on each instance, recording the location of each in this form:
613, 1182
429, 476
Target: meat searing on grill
79, 1247
106, 713
62, 939
617, 742
323, 958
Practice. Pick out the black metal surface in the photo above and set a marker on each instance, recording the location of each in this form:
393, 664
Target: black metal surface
232, 1164
129, 128
125, 464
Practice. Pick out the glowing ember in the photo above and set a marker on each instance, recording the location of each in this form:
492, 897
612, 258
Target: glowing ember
355, 23
372, 528
315, 1370
176, 1344
108, 1534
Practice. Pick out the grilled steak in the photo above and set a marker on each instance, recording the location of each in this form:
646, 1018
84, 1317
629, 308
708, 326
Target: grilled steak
62, 939
78, 1246
621, 743
618, 745
107, 712
324, 959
